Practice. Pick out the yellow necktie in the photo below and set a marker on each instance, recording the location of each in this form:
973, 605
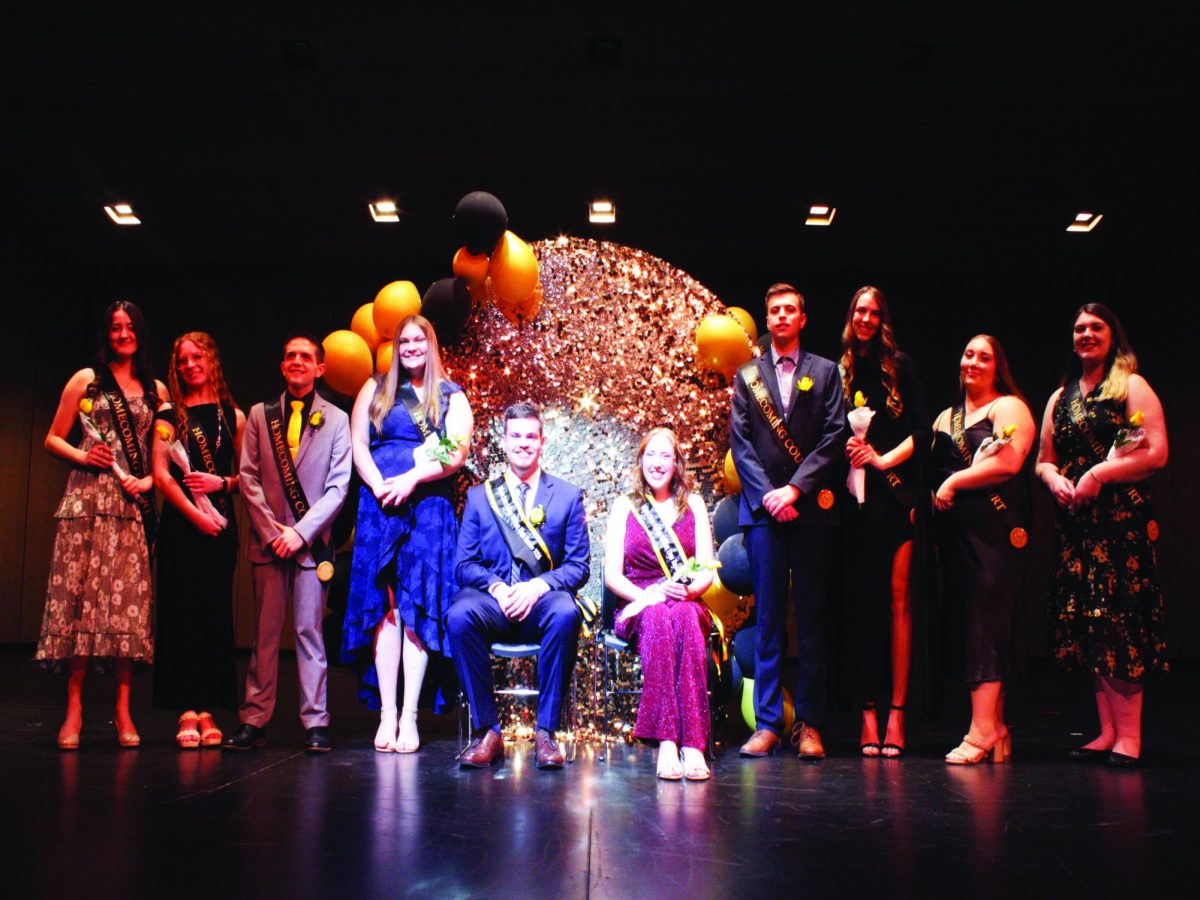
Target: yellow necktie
295, 423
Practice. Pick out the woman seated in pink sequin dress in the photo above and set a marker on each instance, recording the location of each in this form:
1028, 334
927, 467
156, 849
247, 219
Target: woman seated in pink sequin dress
653, 533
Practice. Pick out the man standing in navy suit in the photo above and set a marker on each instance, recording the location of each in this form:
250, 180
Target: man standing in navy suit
523, 552
787, 427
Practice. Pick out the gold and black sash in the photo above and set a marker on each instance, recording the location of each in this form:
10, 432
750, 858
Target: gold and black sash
292, 489
663, 540
523, 540
127, 432
1018, 537
412, 404
210, 464
1079, 416
762, 399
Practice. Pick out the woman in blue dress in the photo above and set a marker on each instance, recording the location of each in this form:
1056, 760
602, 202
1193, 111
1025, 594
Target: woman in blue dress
410, 431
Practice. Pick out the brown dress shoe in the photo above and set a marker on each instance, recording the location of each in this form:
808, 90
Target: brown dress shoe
762, 743
486, 748
807, 740
547, 754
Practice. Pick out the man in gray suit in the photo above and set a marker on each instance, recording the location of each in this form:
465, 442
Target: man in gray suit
295, 470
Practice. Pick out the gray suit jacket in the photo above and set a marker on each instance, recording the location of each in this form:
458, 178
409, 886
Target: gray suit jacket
323, 465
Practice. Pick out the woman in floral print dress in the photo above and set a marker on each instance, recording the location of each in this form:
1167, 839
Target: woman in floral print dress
98, 602
1107, 601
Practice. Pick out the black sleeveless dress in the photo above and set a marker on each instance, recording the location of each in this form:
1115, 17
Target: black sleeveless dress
982, 569
194, 666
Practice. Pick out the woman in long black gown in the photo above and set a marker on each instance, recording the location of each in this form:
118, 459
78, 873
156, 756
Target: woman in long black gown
983, 511
197, 555
880, 531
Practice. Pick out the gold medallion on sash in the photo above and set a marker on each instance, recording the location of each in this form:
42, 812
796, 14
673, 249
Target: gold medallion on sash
825, 499
1018, 537
1152, 530
325, 571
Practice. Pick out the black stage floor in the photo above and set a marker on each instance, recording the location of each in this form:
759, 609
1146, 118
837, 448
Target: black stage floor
156, 822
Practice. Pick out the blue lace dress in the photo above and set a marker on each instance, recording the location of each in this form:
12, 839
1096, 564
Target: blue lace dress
411, 547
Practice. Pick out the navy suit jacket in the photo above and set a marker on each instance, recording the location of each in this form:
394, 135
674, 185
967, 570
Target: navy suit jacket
817, 424
484, 558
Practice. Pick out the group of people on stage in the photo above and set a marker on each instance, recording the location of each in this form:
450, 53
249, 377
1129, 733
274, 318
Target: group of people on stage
427, 592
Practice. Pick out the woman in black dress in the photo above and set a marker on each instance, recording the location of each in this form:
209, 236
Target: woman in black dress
880, 532
983, 511
1105, 591
197, 554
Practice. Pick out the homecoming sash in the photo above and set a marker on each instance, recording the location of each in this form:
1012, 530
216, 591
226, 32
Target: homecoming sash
292, 489
762, 399
210, 464
412, 404
523, 540
1079, 417
137, 461
1018, 537
663, 540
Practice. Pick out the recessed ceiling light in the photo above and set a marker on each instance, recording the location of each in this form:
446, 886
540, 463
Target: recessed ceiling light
820, 215
122, 214
384, 211
1085, 221
602, 212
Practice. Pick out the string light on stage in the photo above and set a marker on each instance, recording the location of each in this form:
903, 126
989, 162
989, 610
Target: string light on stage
122, 214
1085, 221
821, 215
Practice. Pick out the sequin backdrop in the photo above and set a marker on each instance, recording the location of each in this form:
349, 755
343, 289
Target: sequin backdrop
609, 356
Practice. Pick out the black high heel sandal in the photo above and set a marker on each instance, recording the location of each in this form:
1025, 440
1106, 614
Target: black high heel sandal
871, 749
897, 749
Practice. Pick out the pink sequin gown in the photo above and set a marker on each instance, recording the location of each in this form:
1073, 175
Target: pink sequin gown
670, 638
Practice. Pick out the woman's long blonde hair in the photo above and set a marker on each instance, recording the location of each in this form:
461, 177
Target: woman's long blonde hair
387, 386
1121, 362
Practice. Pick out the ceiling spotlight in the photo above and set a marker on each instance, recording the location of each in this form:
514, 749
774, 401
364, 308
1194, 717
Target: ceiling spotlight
122, 214
1085, 221
602, 212
384, 211
820, 215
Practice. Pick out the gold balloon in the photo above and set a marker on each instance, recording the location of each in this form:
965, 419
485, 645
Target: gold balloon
363, 324
473, 267
733, 484
721, 602
746, 321
721, 344
393, 304
348, 361
513, 270
383, 357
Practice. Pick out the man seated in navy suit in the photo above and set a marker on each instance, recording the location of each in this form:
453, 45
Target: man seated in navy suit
523, 552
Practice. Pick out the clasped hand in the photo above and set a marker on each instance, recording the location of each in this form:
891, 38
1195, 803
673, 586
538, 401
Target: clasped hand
517, 600
395, 490
860, 453
779, 502
203, 482
287, 543
665, 590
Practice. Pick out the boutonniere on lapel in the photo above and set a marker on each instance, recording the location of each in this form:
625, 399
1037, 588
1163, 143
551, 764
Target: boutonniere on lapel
804, 385
537, 515
316, 420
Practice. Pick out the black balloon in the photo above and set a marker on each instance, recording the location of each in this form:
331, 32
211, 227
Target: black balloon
479, 222
735, 565
725, 518
447, 304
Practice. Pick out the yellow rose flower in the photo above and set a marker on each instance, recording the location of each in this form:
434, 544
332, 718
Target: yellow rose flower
537, 515
317, 419
859, 400
804, 384
1137, 419
162, 432
86, 406
1010, 430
